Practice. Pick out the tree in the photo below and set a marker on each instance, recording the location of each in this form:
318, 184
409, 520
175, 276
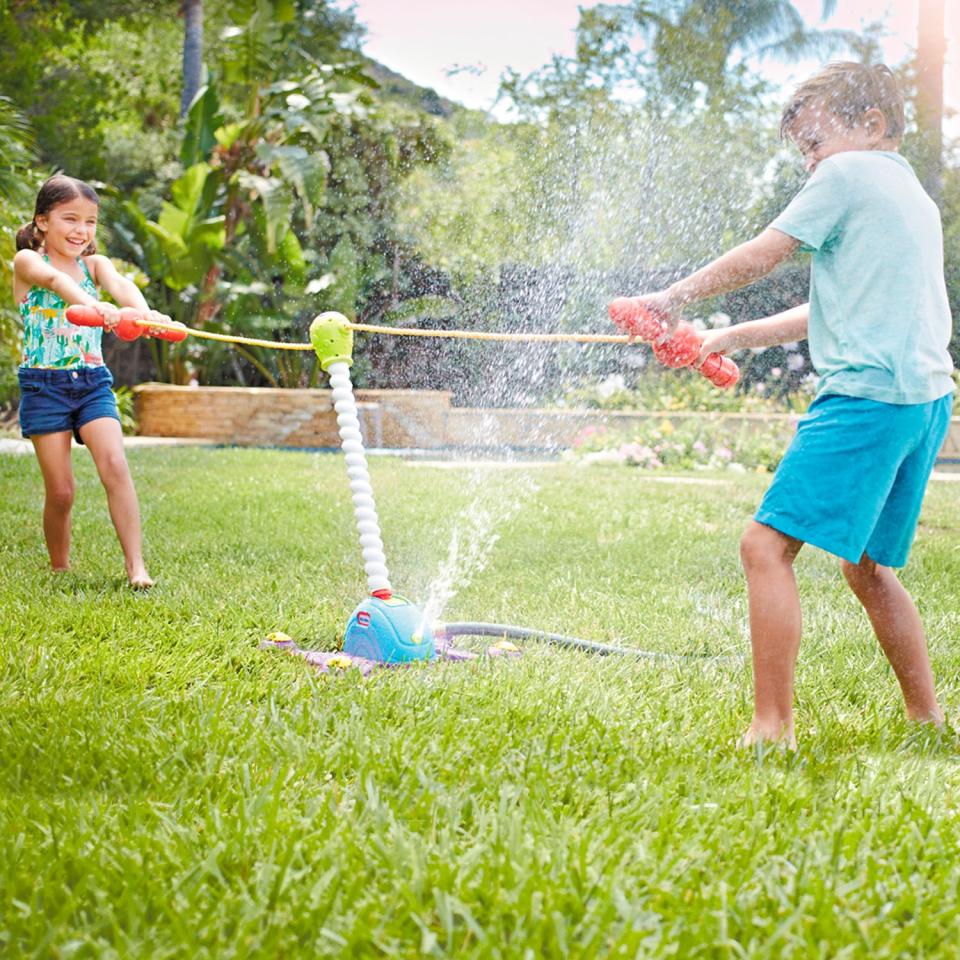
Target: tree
17, 186
674, 53
192, 13
931, 49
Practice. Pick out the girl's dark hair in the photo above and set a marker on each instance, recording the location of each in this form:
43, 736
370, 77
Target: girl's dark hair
58, 189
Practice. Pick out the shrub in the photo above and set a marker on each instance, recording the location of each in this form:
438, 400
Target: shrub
705, 444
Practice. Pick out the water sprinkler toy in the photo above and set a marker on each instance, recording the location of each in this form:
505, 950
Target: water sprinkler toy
131, 326
634, 317
385, 627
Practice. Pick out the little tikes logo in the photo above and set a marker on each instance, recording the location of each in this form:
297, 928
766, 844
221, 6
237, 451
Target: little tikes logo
363, 618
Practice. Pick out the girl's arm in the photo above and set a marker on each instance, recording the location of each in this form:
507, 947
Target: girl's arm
767, 332
124, 291
33, 271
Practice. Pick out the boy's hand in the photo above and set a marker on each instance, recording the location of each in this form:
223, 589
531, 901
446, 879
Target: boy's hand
714, 341
662, 307
108, 313
669, 311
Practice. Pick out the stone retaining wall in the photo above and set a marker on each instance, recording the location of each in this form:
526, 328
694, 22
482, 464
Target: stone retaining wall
260, 416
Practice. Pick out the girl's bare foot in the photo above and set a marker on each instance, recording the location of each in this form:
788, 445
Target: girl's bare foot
60, 569
139, 578
778, 734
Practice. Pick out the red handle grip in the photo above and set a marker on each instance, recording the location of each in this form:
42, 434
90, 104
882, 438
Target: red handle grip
635, 318
84, 316
127, 329
174, 336
721, 371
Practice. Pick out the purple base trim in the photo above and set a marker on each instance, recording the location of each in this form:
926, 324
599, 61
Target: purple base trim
327, 661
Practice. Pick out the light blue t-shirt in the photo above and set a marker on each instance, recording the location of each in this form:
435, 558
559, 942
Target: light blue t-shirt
879, 317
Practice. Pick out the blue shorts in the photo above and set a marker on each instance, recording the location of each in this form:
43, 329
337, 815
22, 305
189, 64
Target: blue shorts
853, 479
55, 400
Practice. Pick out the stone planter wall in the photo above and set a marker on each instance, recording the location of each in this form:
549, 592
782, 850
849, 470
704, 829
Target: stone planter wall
259, 416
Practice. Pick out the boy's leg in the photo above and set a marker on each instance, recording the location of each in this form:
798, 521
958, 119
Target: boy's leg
53, 455
104, 438
898, 628
775, 624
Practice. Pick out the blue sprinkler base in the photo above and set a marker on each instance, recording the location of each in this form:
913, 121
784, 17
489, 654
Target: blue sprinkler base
388, 630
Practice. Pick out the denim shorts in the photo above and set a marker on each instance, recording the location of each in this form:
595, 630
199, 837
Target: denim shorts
55, 400
853, 479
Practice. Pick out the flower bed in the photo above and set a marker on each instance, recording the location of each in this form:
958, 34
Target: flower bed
692, 444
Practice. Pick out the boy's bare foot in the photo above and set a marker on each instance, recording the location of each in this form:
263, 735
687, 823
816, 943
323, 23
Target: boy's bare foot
934, 716
779, 735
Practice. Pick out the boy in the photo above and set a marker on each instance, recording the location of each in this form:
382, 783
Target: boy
878, 324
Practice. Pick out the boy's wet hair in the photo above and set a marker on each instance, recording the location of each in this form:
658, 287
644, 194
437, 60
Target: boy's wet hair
58, 189
849, 90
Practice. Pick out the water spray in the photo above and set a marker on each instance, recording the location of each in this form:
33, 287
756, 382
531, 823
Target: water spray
386, 628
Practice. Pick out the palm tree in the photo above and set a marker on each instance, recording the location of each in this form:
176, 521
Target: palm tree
192, 13
700, 40
931, 48
17, 147
689, 50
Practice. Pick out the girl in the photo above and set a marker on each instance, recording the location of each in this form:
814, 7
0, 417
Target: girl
64, 385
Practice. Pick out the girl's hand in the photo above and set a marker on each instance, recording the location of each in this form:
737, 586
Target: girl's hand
157, 317
108, 313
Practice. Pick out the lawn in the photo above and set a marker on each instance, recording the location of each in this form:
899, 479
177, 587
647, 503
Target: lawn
169, 790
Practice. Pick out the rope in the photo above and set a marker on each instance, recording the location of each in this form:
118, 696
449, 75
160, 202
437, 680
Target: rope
481, 335
402, 332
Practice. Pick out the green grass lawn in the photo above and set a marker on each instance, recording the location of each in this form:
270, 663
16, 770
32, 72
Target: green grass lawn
168, 790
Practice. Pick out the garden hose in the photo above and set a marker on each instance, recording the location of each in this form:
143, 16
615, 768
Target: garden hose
468, 629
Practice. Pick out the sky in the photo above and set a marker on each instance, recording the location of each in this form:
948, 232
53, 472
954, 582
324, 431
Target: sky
461, 47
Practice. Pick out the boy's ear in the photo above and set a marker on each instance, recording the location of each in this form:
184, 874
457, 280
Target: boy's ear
875, 122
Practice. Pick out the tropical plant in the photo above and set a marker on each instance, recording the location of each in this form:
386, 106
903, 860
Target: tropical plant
17, 183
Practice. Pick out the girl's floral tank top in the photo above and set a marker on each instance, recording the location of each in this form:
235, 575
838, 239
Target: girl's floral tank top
49, 339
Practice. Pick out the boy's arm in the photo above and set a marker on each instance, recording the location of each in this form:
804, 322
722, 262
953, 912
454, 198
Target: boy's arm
742, 265
736, 268
782, 327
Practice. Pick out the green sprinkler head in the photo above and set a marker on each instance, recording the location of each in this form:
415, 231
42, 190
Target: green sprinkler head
332, 338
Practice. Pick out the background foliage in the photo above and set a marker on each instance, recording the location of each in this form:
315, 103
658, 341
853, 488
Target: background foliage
306, 176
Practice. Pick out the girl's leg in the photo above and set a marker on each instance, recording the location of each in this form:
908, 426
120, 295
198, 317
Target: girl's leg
775, 624
104, 439
53, 454
897, 626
